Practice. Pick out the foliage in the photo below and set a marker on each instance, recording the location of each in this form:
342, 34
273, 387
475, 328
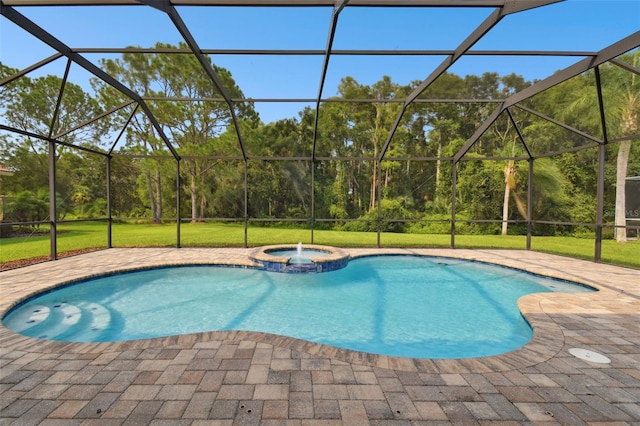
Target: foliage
194, 128
29, 207
92, 235
29, 105
334, 175
392, 212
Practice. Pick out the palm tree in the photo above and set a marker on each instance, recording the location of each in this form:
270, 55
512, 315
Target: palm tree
621, 93
510, 173
628, 111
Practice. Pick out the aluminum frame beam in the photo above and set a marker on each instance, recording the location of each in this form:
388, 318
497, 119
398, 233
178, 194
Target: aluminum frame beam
26, 24
44, 138
124, 128
273, 3
519, 132
625, 66
325, 100
502, 8
166, 7
603, 120
94, 119
341, 52
616, 49
509, 7
56, 110
27, 70
559, 123
338, 7
626, 44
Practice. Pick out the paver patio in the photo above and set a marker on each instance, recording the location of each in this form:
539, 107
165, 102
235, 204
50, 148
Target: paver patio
245, 378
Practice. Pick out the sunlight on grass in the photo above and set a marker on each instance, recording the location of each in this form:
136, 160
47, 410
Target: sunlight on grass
87, 235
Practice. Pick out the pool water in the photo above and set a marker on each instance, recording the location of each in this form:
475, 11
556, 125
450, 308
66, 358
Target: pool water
304, 256
410, 306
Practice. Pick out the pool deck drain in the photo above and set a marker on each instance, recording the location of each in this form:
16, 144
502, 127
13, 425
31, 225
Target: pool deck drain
587, 355
250, 378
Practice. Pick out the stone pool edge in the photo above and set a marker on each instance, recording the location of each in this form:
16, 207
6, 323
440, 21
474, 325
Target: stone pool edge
334, 259
548, 338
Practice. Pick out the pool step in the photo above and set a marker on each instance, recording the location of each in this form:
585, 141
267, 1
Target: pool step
29, 318
82, 322
96, 319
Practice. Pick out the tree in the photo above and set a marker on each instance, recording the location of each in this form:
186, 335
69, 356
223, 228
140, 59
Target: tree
369, 124
627, 112
621, 94
504, 131
9, 90
339, 177
32, 109
510, 185
30, 106
192, 126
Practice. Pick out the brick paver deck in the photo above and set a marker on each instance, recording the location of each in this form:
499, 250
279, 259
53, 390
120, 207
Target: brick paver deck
245, 378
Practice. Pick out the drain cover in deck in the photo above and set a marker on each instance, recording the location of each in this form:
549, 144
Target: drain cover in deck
588, 355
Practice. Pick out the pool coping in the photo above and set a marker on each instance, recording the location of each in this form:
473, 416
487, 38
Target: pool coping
334, 259
613, 283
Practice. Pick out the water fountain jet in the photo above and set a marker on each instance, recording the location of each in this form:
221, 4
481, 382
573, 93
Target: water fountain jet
300, 258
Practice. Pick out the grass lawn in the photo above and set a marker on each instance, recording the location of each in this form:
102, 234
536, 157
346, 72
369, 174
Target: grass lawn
85, 235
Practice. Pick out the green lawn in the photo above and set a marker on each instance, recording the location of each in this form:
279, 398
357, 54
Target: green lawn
83, 235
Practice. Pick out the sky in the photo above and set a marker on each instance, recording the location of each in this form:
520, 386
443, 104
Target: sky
583, 25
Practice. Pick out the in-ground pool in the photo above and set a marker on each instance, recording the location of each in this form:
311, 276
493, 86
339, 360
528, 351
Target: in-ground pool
298, 256
410, 306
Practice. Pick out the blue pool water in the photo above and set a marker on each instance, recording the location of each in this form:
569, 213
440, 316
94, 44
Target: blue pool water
421, 307
304, 256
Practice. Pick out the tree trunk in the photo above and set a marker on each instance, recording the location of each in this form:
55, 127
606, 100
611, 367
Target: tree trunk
376, 139
203, 205
621, 174
151, 199
438, 164
505, 208
509, 183
629, 126
372, 204
158, 216
194, 200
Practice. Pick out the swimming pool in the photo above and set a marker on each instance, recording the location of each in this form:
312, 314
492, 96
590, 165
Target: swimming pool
409, 306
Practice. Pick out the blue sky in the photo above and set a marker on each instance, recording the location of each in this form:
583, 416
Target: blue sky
588, 25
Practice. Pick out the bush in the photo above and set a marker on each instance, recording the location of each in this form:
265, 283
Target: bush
6, 231
29, 207
442, 225
389, 209
361, 226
